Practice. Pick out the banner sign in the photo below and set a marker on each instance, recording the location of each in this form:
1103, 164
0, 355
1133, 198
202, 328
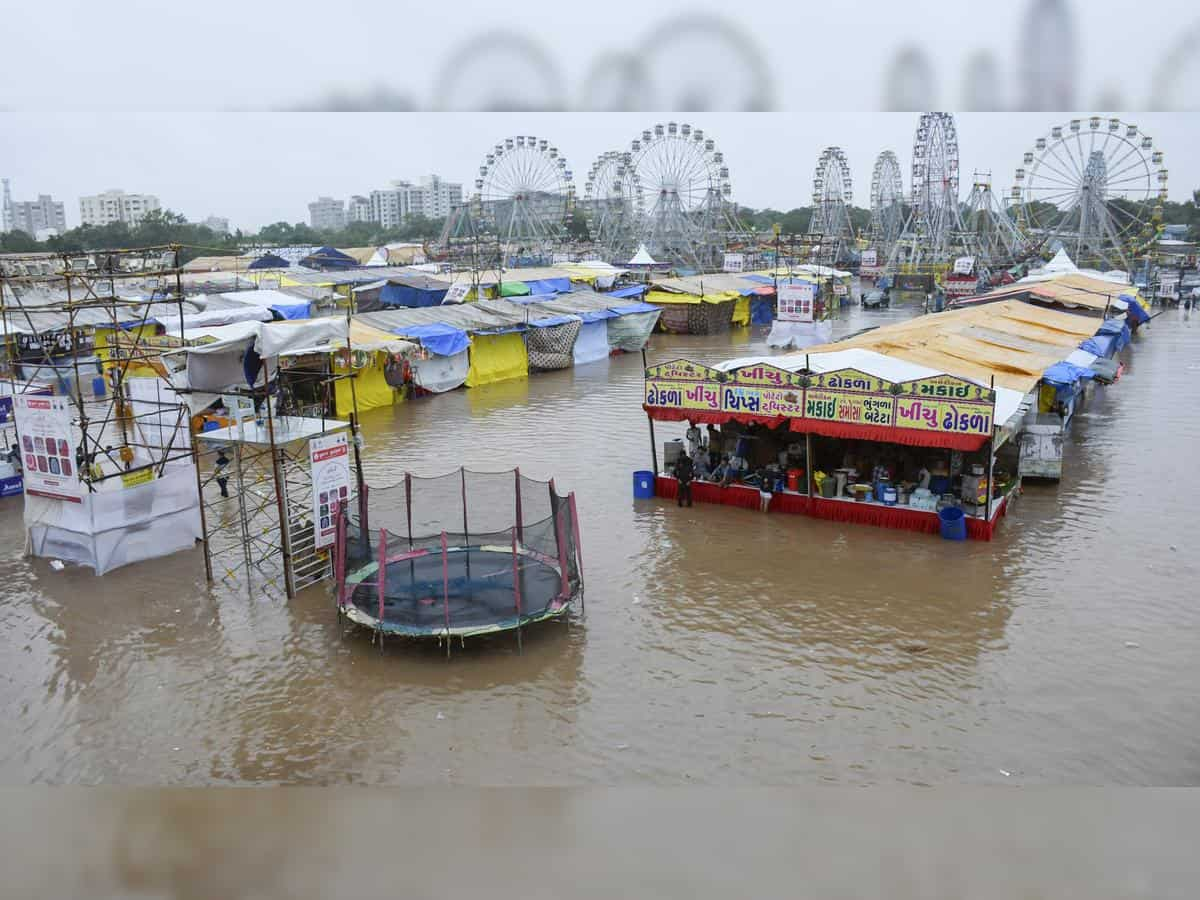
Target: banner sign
457, 292
942, 403
964, 265
734, 262
795, 303
869, 258
329, 456
44, 425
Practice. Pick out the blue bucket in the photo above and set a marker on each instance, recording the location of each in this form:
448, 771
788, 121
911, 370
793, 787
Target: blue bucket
954, 523
643, 485
98, 386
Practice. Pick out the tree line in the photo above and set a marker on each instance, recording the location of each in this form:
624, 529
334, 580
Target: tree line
167, 227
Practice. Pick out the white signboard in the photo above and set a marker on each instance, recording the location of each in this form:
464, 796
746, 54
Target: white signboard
869, 258
795, 302
457, 293
559, 259
964, 265
734, 262
44, 424
330, 459
839, 288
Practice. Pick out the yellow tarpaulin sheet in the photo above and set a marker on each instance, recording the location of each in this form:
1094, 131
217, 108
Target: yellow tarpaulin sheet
669, 297
370, 387
103, 340
741, 311
497, 357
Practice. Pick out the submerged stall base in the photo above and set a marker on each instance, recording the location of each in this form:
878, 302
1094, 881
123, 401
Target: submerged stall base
835, 510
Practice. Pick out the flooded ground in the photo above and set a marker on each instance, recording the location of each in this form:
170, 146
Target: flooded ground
719, 646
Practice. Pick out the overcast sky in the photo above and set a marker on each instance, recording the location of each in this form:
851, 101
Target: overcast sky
258, 168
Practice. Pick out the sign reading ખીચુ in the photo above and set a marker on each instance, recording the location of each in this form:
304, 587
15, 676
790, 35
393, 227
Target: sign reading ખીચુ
330, 459
44, 424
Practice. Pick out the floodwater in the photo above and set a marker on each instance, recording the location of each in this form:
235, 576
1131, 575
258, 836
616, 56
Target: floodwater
719, 646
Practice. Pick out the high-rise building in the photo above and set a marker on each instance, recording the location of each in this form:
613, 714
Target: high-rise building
358, 209
438, 196
217, 224
6, 207
327, 214
32, 216
116, 206
430, 197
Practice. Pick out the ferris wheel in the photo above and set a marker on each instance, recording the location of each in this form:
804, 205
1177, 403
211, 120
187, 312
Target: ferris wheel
934, 186
613, 204
887, 203
683, 184
1095, 186
525, 192
832, 196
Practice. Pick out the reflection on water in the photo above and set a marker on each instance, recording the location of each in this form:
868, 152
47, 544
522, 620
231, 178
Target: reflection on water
719, 645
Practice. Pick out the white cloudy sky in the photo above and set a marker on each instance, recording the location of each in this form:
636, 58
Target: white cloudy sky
257, 168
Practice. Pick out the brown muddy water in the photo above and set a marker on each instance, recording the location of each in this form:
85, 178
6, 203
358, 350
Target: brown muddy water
720, 646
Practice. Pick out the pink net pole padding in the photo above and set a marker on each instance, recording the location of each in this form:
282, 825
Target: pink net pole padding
575, 529
516, 575
462, 472
446, 585
408, 505
520, 518
339, 553
561, 538
382, 574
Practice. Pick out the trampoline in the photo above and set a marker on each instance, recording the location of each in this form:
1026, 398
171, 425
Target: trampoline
400, 571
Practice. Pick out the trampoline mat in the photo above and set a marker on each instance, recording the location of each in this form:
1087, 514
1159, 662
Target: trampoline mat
480, 591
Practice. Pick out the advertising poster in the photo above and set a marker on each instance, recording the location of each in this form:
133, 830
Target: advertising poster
795, 302
734, 262
330, 459
44, 424
870, 259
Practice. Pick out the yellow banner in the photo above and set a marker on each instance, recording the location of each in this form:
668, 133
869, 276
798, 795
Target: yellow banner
948, 387
142, 476
944, 415
854, 409
763, 375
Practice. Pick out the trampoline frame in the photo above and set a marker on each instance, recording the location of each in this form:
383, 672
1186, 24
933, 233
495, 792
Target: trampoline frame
565, 534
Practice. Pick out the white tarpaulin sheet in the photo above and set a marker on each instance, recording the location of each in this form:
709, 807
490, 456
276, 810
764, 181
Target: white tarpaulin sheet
441, 373
118, 525
798, 335
630, 332
592, 343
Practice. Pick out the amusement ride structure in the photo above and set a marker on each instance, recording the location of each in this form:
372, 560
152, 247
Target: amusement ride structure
612, 205
1095, 187
832, 196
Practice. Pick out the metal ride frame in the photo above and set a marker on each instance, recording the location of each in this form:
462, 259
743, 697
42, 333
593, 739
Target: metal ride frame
88, 298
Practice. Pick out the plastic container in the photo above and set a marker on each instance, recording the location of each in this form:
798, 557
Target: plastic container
953, 523
643, 485
99, 387
889, 495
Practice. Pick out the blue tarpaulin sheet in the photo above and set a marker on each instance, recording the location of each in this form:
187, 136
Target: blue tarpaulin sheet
762, 311
292, 310
549, 285
1135, 309
437, 338
1101, 345
403, 295
553, 320
533, 298
634, 290
597, 315
1119, 328
1064, 374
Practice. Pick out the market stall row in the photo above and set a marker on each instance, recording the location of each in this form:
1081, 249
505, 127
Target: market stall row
892, 427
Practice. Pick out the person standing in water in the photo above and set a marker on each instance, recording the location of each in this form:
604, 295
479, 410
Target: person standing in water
684, 472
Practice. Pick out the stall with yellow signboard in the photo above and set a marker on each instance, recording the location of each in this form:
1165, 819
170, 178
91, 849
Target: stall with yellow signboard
850, 435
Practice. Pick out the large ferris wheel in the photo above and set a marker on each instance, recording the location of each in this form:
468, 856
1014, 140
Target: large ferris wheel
683, 185
887, 204
612, 204
832, 196
524, 193
935, 185
1094, 187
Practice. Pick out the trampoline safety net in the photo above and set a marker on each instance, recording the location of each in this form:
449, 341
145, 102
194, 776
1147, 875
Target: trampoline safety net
459, 554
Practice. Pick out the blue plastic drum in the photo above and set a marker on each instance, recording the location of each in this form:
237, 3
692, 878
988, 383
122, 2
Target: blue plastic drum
643, 485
